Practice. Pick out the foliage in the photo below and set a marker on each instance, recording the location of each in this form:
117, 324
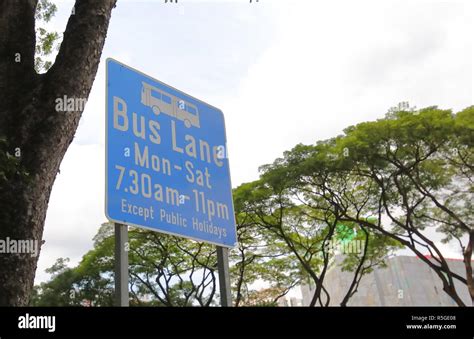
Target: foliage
46, 42
164, 271
412, 168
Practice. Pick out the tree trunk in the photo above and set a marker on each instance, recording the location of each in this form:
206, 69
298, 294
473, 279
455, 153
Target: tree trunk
32, 126
468, 265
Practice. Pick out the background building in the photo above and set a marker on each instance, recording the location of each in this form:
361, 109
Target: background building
406, 281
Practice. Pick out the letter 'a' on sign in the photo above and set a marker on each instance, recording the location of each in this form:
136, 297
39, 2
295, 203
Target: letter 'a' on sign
167, 168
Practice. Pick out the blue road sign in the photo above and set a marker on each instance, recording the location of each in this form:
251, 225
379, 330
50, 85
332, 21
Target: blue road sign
166, 160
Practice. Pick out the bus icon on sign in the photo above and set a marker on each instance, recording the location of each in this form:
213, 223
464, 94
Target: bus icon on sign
162, 102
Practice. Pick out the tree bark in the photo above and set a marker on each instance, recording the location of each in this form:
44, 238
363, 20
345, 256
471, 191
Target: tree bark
468, 265
359, 272
29, 122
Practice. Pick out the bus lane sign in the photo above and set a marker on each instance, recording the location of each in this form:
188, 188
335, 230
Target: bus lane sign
166, 160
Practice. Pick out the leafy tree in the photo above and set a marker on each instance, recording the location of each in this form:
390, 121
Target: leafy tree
164, 271
302, 232
58, 290
263, 297
420, 165
258, 258
174, 270
30, 123
413, 167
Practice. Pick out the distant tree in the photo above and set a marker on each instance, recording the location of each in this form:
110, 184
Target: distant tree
303, 232
413, 167
421, 165
258, 259
59, 290
46, 41
164, 271
265, 297
174, 270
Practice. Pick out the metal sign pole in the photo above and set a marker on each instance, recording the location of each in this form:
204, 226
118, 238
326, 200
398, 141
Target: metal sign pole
224, 276
121, 265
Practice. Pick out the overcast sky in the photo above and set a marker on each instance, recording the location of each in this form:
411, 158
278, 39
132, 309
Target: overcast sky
283, 72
